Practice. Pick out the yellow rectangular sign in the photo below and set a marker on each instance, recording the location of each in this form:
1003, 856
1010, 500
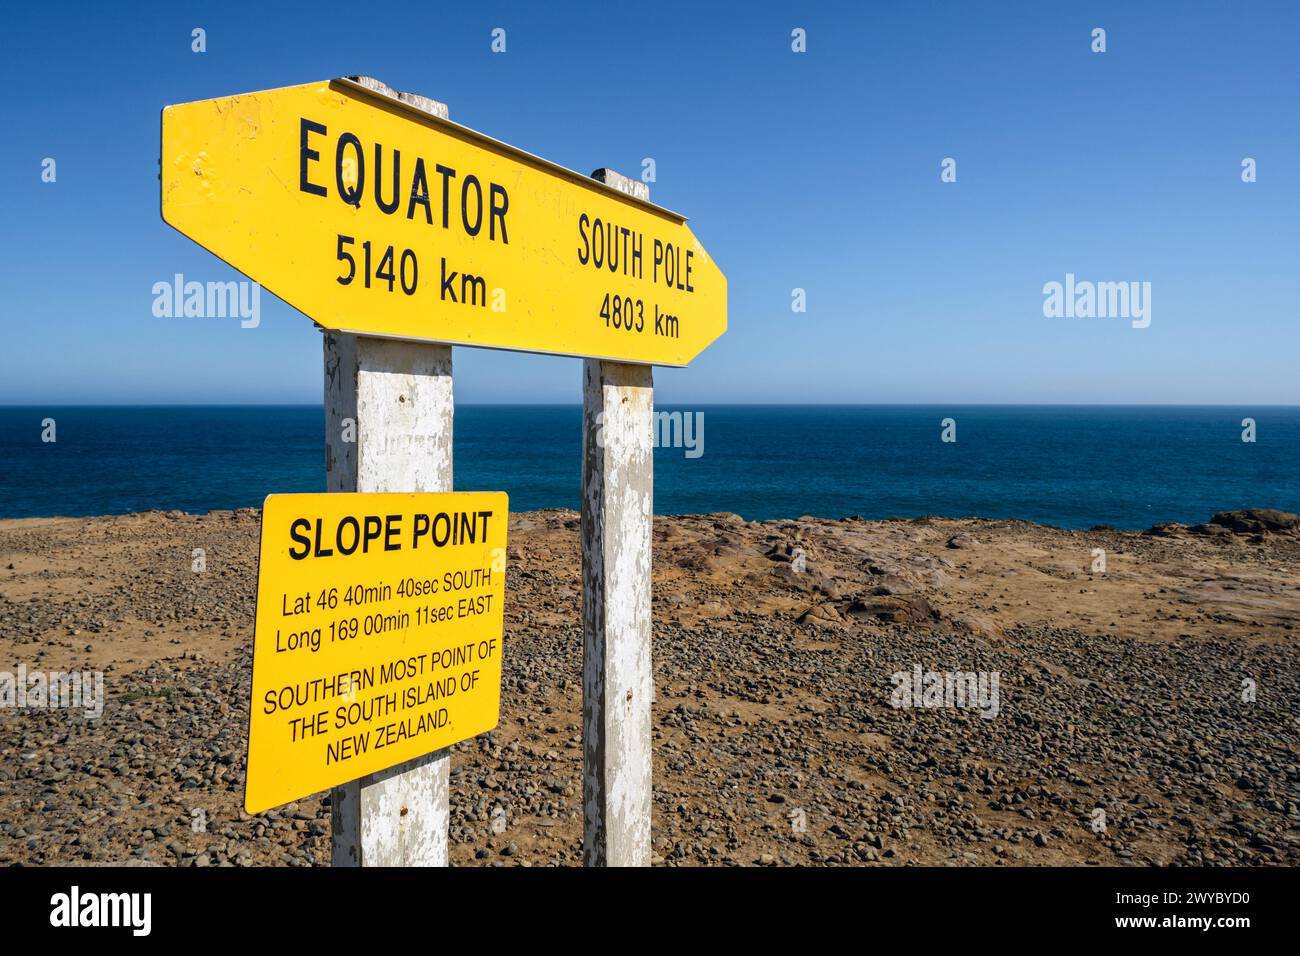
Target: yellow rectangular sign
371, 216
378, 637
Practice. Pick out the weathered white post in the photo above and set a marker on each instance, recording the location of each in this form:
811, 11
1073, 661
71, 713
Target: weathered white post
388, 427
617, 511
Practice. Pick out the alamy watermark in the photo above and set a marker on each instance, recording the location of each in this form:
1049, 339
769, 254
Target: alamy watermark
133, 911
670, 430
75, 690
211, 300
1098, 300
970, 690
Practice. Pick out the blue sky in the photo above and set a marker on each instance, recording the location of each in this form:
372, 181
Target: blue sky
817, 170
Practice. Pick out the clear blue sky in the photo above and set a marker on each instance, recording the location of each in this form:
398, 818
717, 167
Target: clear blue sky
818, 171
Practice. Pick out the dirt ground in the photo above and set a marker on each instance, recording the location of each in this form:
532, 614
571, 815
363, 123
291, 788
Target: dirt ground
1146, 713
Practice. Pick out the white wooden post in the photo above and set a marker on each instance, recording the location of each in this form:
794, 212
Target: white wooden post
388, 427
617, 511
388, 422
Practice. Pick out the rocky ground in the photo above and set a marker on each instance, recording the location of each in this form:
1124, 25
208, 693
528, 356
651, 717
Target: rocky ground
1158, 696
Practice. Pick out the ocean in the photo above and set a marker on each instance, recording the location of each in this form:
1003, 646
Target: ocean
1069, 466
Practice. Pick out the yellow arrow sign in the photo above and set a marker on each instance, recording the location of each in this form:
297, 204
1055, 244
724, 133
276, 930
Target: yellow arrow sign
374, 217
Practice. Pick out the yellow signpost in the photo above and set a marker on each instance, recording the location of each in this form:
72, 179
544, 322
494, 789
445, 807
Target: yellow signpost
375, 217
378, 645
378, 637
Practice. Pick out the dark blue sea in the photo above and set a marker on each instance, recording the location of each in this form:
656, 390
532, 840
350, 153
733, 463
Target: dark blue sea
1070, 466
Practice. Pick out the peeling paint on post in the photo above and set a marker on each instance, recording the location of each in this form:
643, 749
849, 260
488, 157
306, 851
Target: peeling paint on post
398, 398
617, 511
432, 107
388, 427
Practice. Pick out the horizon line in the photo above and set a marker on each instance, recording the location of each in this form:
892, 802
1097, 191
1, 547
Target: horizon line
578, 404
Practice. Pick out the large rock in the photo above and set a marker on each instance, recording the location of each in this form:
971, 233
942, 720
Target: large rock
976, 626
892, 609
1166, 529
1255, 520
821, 614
